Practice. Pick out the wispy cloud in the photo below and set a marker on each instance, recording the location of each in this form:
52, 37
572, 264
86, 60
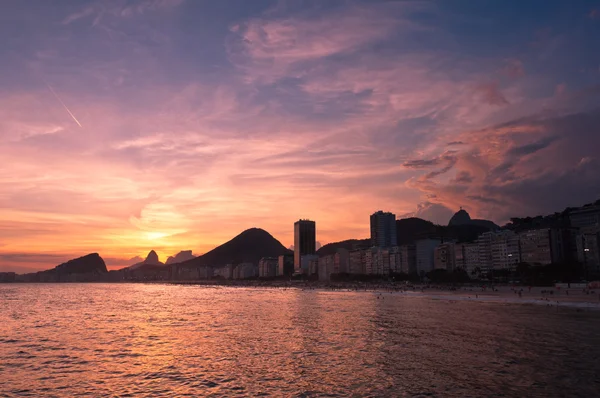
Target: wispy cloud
254, 117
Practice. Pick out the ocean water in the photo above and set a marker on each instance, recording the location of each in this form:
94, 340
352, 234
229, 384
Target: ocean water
171, 340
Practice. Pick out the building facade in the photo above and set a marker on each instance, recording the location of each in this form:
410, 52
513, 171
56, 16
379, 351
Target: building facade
408, 259
285, 265
356, 262
383, 229
305, 235
505, 251
245, 271
425, 254
445, 257
268, 267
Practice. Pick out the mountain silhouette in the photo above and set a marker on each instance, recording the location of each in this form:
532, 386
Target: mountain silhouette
350, 244
461, 217
82, 265
410, 229
89, 264
151, 260
249, 246
180, 257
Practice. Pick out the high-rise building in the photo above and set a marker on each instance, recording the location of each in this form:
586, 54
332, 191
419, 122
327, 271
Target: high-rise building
425, 254
305, 235
408, 259
383, 229
505, 250
445, 257
267, 267
285, 265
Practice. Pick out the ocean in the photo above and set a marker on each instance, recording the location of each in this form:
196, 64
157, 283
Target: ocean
67, 340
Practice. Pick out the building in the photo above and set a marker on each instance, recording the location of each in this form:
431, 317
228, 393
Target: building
341, 260
395, 260
305, 235
383, 229
374, 261
466, 256
7, 277
313, 265
305, 264
245, 271
444, 257
224, 272
325, 267
484, 246
588, 253
267, 267
356, 262
424, 249
285, 265
408, 259
505, 250
543, 246
586, 218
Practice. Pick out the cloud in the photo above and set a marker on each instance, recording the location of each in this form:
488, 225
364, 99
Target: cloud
491, 94
463, 177
105, 9
272, 48
517, 168
434, 212
513, 68
530, 148
420, 163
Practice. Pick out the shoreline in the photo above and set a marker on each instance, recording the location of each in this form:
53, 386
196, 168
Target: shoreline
545, 296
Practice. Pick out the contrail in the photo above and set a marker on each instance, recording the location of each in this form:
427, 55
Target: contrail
63, 104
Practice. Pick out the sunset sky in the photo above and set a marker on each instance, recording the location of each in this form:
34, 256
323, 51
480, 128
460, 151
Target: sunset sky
170, 125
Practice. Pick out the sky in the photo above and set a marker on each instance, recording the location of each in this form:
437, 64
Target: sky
172, 125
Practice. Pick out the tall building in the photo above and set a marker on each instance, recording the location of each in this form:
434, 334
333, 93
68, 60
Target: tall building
467, 257
586, 220
383, 229
357, 262
408, 259
505, 250
544, 246
445, 257
425, 254
285, 265
267, 267
305, 236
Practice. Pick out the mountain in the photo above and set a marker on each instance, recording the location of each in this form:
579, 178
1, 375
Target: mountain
87, 267
82, 265
410, 229
180, 257
461, 217
151, 260
350, 244
249, 246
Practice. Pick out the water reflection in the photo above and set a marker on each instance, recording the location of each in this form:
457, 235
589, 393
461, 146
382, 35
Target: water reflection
163, 340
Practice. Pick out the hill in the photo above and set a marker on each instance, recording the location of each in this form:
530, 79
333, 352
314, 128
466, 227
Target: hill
180, 257
249, 246
350, 244
86, 268
92, 263
150, 262
410, 229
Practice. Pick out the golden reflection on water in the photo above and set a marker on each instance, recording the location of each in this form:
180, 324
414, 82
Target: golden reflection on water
169, 340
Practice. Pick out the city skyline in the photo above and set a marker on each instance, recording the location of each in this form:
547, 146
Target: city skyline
174, 125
